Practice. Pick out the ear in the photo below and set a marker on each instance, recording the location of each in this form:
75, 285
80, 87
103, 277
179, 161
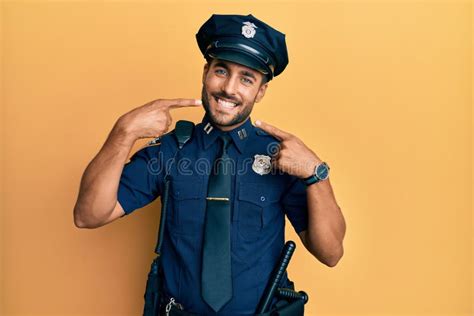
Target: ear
204, 72
261, 92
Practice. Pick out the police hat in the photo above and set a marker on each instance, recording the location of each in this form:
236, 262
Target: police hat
245, 40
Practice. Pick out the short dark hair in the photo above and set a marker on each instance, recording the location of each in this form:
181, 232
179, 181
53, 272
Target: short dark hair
264, 77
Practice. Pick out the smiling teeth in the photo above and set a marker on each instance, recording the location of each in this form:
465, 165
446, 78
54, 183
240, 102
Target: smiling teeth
226, 104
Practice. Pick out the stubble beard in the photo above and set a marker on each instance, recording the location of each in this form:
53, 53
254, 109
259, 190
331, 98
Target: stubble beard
238, 118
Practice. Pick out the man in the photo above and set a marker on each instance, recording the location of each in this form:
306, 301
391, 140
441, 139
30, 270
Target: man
225, 226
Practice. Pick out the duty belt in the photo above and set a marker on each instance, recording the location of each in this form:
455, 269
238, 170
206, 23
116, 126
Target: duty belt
281, 308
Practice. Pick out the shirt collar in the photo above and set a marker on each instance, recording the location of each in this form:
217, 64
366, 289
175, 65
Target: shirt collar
239, 134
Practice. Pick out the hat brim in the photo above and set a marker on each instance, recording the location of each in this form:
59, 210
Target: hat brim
239, 58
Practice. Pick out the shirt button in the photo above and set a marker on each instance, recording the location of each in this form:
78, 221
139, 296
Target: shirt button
262, 198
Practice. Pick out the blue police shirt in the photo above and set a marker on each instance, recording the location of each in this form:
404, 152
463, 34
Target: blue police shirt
259, 204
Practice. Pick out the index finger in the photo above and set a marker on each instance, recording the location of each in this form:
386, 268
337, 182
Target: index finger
181, 103
272, 130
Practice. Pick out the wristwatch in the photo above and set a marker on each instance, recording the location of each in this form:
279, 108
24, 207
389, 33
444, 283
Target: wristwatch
321, 172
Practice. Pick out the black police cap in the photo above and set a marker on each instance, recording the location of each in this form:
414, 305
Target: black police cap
245, 40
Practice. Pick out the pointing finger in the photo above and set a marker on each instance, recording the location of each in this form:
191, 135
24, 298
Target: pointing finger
272, 130
180, 103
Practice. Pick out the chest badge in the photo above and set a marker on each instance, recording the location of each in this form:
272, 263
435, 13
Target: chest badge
262, 164
248, 29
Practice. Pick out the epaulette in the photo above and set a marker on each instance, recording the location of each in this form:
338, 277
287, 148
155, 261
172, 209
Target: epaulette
183, 132
156, 141
261, 132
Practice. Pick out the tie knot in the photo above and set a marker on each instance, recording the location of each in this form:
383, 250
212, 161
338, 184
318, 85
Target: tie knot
226, 140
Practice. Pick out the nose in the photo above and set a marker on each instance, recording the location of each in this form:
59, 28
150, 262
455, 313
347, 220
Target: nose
230, 85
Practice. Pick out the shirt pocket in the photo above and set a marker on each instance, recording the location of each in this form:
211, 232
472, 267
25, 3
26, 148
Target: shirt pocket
256, 202
188, 206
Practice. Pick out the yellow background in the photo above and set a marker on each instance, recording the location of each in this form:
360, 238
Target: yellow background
380, 90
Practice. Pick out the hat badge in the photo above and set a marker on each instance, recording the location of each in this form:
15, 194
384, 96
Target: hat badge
262, 164
248, 29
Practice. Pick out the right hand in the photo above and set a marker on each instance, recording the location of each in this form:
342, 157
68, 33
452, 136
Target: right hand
152, 119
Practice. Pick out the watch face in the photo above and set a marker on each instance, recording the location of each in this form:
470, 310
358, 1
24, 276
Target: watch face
322, 171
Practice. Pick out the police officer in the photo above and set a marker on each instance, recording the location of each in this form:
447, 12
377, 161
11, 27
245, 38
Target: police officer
231, 184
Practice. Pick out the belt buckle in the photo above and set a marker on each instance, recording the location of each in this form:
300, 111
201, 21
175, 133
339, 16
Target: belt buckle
172, 303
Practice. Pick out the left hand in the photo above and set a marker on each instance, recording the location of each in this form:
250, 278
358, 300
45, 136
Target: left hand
294, 157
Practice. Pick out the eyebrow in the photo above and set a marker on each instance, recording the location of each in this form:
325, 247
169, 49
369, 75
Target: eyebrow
248, 74
242, 72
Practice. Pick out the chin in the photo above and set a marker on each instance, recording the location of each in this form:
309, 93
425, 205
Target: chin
221, 119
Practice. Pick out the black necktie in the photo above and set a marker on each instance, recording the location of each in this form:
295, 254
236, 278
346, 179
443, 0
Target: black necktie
216, 278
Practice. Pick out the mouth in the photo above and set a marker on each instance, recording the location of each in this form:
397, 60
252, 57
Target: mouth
225, 104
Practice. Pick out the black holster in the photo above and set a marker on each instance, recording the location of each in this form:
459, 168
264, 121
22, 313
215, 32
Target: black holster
153, 290
290, 303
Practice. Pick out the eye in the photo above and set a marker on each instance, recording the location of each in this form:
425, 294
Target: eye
247, 81
220, 71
